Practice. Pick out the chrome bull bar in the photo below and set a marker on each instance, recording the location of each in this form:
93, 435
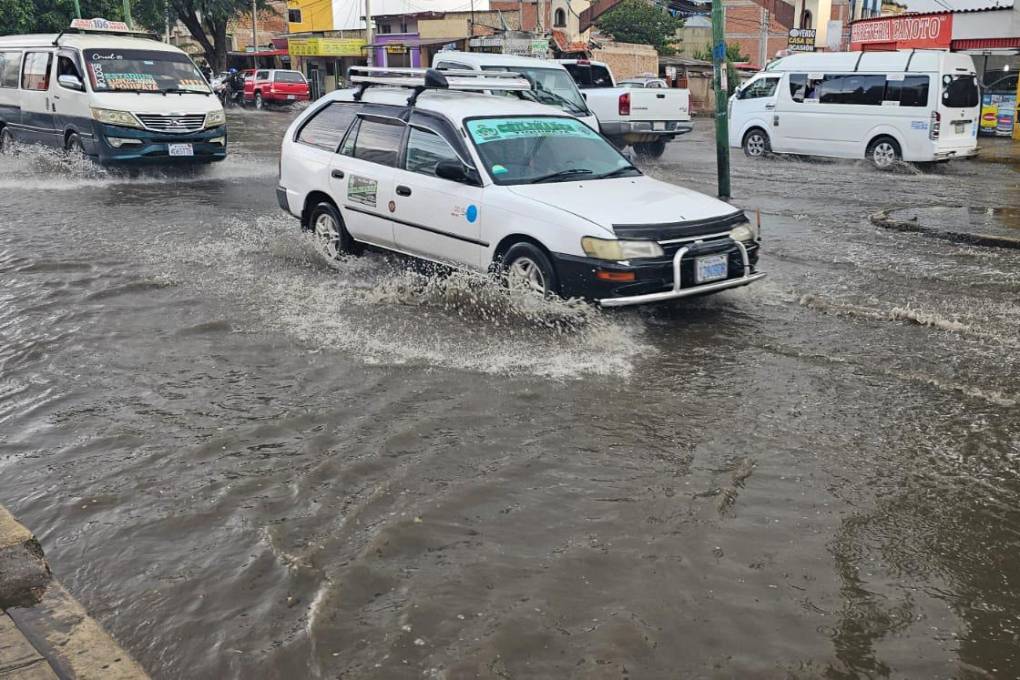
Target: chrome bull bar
678, 291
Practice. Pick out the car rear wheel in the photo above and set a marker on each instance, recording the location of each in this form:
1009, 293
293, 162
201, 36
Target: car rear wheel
258, 101
526, 268
332, 239
884, 153
651, 150
756, 144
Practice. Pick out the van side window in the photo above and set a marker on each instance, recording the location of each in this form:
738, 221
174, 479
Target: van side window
35, 72
66, 66
326, 128
852, 88
803, 87
376, 142
763, 87
914, 91
10, 67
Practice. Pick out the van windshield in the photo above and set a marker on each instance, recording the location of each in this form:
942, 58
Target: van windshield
553, 87
959, 92
142, 71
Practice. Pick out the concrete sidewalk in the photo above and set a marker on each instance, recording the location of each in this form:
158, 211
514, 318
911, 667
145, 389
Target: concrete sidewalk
44, 633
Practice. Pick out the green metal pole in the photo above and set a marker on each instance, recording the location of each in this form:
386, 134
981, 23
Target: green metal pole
77, 9
127, 14
722, 128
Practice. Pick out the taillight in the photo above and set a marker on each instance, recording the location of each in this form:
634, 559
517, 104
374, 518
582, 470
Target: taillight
625, 104
935, 126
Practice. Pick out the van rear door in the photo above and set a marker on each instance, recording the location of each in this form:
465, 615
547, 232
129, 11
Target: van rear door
959, 111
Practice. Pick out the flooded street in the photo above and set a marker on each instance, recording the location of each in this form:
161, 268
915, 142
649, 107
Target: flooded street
248, 464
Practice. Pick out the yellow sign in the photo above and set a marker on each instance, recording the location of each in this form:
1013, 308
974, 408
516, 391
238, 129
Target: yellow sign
326, 47
396, 49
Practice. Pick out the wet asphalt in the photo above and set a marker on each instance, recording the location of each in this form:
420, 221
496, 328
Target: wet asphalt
246, 463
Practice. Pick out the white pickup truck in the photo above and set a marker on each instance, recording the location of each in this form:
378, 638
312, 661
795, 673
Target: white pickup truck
637, 112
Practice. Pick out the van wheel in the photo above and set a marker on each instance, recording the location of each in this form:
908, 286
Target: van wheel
651, 150
331, 236
74, 146
258, 101
6, 141
756, 143
884, 152
524, 267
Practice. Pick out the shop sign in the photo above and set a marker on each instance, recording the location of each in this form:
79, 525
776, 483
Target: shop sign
931, 30
326, 47
396, 49
801, 40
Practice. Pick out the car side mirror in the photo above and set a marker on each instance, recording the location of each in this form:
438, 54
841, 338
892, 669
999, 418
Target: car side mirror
452, 169
71, 82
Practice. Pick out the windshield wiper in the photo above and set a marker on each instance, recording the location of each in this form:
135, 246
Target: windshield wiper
560, 174
574, 108
618, 171
181, 90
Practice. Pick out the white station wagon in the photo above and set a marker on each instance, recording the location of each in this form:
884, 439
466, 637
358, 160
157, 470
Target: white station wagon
409, 161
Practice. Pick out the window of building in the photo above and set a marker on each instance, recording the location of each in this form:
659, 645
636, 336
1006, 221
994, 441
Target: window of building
560, 19
35, 74
326, 128
294, 16
805, 19
375, 141
10, 67
384, 28
424, 151
403, 28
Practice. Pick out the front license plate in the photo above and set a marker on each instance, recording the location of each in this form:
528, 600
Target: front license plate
181, 150
711, 268
659, 126
290, 96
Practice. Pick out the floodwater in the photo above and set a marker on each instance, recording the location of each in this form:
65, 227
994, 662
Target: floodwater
248, 464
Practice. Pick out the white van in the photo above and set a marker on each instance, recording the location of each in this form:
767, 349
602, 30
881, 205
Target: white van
911, 105
112, 98
554, 86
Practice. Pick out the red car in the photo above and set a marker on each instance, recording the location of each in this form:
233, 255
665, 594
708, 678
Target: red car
275, 86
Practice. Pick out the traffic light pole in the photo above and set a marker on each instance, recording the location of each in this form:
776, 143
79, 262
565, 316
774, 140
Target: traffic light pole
722, 148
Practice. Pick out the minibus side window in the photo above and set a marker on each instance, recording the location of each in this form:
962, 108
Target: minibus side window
914, 91
858, 89
10, 67
66, 66
803, 87
35, 74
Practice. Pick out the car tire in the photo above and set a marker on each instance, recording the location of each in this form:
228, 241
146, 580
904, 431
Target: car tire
332, 239
259, 104
6, 140
74, 146
525, 266
884, 153
651, 150
756, 143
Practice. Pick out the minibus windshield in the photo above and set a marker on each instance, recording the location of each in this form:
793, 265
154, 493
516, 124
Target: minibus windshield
116, 70
959, 92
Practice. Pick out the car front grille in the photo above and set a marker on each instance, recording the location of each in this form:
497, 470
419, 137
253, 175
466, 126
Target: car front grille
173, 124
666, 231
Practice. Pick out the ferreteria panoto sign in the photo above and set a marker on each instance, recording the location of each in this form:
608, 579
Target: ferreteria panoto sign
801, 40
919, 30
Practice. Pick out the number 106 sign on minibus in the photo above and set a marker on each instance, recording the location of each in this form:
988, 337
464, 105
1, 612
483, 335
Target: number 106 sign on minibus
911, 105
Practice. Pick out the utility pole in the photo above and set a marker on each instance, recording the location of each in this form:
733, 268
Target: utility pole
254, 36
722, 148
127, 14
77, 9
472, 22
763, 48
166, 21
369, 33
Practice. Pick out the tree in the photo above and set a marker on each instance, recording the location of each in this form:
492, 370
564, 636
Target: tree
733, 56
51, 16
206, 20
637, 21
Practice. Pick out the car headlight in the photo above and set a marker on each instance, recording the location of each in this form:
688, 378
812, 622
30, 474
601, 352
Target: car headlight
214, 118
113, 117
742, 233
606, 249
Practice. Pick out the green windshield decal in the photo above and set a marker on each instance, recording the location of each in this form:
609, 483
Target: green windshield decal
499, 129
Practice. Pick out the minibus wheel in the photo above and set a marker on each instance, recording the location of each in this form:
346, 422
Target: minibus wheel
331, 236
884, 152
74, 145
756, 143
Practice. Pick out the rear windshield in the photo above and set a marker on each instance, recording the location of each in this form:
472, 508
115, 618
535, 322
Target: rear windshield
959, 92
589, 76
289, 77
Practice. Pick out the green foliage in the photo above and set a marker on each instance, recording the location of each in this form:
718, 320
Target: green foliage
637, 21
733, 55
50, 16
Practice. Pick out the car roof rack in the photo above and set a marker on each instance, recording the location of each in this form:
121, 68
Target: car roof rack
421, 79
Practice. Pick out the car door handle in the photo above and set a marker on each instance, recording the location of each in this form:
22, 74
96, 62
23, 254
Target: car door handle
339, 174
769, 107
660, 96
403, 191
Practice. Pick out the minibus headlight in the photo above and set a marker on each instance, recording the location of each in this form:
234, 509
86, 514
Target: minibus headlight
214, 118
742, 232
112, 117
606, 249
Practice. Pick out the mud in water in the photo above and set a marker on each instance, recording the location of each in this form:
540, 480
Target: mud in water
248, 463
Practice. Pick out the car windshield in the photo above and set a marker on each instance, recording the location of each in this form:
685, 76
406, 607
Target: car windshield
143, 71
553, 87
531, 150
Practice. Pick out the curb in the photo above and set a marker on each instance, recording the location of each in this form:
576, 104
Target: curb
882, 219
44, 632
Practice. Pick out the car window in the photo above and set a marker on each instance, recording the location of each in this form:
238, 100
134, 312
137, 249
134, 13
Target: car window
35, 72
590, 75
10, 67
288, 77
763, 87
326, 128
424, 150
451, 66
375, 141
261, 75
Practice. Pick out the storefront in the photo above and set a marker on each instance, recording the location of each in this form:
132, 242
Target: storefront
325, 60
991, 36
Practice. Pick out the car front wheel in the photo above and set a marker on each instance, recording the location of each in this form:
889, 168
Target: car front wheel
258, 101
756, 144
525, 267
